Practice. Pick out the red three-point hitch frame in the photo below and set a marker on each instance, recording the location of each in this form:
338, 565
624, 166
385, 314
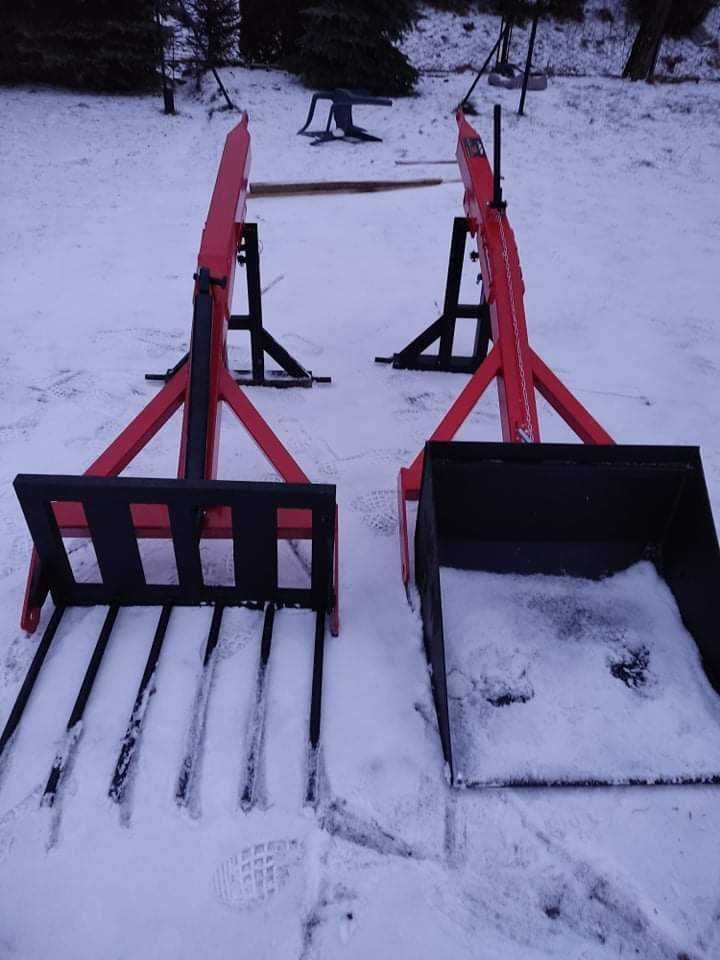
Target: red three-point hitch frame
512, 362
216, 262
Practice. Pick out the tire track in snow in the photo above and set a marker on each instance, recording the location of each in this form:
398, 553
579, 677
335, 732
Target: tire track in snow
605, 910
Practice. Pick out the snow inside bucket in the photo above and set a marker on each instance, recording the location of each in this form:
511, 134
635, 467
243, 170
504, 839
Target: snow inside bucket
562, 679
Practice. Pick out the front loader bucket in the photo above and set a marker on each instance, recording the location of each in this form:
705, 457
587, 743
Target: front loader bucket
567, 511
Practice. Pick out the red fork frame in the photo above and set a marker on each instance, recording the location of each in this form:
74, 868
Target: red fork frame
511, 362
219, 245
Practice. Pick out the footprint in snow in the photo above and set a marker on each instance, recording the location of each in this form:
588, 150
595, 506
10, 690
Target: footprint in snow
378, 511
257, 873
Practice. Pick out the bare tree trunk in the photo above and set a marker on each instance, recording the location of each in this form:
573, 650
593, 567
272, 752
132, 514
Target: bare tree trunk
642, 57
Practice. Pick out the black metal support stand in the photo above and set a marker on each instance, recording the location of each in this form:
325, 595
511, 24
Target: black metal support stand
291, 373
413, 357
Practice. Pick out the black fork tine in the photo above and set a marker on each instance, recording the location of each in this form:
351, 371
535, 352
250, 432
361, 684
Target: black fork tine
145, 691
72, 731
311, 793
257, 723
197, 722
30, 678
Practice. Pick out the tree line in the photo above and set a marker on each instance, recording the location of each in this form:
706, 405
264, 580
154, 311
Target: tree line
119, 45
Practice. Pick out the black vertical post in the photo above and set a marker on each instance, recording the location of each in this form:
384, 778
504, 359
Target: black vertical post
528, 65
482, 333
452, 289
199, 379
252, 266
498, 203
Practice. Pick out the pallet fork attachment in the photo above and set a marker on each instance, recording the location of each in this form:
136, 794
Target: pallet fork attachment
115, 512
521, 506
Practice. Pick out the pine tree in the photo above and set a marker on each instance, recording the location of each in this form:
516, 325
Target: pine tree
351, 43
104, 45
214, 38
269, 29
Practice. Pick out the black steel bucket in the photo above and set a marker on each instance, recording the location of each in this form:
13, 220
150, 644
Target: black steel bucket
565, 509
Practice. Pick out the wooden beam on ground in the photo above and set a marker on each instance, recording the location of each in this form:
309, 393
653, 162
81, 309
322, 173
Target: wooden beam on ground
339, 186
422, 163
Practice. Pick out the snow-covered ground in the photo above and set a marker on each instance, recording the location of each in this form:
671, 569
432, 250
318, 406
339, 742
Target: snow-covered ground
613, 193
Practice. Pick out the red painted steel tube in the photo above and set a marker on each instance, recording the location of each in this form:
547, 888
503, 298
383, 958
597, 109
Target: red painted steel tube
456, 416
564, 403
260, 431
142, 428
31, 608
226, 215
403, 498
504, 288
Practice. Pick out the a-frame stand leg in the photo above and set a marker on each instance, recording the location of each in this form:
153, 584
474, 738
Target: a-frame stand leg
442, 331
